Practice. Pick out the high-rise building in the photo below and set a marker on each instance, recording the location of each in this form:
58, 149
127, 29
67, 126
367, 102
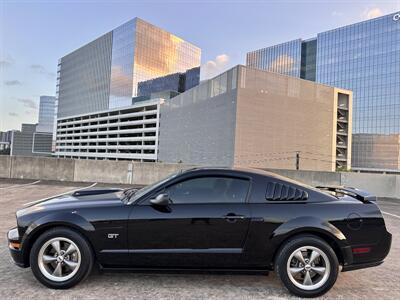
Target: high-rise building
284, 58
253, 118
105, 73
47, 109
36, 139
362, 57
108, 91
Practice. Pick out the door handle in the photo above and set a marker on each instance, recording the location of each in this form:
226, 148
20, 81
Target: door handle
231, 217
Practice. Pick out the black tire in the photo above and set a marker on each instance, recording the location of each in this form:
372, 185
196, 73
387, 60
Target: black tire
86, 255
290, 247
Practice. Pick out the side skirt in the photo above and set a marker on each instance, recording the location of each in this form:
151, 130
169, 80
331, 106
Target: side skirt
185, 271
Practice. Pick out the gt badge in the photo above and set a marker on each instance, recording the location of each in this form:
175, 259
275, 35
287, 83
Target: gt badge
113, 235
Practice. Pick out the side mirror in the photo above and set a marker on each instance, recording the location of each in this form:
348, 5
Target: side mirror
160, 200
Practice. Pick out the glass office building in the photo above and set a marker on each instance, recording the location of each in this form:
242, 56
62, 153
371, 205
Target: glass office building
365, 58
283, 58
308, 59
176, 83
362, 57
47, 108
105, 73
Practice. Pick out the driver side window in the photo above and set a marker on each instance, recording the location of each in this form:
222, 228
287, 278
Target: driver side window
209, 190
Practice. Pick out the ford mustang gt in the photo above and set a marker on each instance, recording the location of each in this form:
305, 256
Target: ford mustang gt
205, 219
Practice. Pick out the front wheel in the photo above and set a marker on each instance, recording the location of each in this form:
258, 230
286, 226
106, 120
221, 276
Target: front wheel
61, 258
307, 266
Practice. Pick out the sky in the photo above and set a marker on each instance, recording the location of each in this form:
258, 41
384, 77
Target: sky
35, 34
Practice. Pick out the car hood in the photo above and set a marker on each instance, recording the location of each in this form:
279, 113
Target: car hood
74, 201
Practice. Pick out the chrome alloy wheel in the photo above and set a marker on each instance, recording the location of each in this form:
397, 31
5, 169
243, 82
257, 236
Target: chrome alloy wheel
59, 259
308, 268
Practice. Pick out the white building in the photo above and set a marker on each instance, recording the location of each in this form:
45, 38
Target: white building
125, 133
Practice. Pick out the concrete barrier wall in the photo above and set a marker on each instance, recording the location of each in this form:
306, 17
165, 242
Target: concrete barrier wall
107, 171
127, 172
146, 173
45, 168
103, 171
312, 178
397, 194
5, 166
380, 185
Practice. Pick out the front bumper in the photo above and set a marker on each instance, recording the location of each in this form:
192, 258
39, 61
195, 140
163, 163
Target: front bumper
13, 240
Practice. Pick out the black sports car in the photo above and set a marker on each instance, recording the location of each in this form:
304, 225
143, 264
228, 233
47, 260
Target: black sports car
205, 219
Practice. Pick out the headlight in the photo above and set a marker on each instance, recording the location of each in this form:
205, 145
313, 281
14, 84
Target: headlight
13, 234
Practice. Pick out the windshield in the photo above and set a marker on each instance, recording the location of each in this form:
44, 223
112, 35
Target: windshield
136, 194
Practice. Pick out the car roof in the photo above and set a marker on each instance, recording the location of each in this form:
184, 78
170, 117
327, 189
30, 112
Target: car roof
252, 172
241, 170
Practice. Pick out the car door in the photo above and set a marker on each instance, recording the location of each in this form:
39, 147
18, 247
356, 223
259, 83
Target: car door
205, 225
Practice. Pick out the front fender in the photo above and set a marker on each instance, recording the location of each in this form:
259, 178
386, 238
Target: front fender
69, 219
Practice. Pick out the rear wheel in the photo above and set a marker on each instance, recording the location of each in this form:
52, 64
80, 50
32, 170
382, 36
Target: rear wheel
61, 258
307, 266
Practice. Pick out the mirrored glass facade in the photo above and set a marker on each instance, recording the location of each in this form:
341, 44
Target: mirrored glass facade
47, 109
106, 72
308, 59
123, 51
365, 57
83, 78
376, 151
175, 83
362, 57
283, 58
159, 53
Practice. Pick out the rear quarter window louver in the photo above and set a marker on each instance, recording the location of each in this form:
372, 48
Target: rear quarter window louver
284, 192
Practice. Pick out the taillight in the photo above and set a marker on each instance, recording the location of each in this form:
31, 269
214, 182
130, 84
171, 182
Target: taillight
361, 250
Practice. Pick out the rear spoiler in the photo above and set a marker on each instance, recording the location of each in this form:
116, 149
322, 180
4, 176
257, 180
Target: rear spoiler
350, 191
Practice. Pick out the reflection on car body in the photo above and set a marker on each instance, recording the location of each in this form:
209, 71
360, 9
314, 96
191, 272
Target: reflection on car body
205, 219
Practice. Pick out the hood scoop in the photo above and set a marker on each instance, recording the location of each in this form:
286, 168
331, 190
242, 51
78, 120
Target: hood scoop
91, 192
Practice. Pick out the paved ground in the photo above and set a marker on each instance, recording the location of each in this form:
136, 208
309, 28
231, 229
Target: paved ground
382, 282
